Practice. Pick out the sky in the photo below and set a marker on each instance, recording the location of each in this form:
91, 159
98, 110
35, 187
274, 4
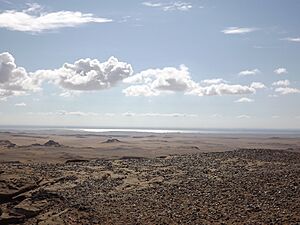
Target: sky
167, 64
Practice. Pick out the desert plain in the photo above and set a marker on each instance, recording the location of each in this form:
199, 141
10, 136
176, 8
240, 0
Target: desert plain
72, 177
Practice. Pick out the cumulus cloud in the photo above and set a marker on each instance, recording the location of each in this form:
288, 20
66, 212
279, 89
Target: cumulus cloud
281, 71
154, 82
287, 90
249, 72
35, 19
257, 85
223, 89
213, 81
281, 83
238, 30
14, 80
244, 99
292, 39
172, 6
87, 74
83, 75
140, 90
92, 75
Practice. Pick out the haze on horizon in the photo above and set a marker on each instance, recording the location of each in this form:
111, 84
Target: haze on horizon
180, 64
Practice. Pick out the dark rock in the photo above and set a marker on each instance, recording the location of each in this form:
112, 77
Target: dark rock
131, 157
76, 160
112, 140
12, 219
8, 196
52, 143
7, 144
30, 208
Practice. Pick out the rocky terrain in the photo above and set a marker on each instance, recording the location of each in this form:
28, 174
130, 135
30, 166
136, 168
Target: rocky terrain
249, 186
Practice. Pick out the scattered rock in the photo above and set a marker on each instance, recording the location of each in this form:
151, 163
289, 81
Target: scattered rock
246, 186
131, 157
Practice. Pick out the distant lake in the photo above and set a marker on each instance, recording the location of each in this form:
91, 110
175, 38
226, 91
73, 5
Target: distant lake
151, 130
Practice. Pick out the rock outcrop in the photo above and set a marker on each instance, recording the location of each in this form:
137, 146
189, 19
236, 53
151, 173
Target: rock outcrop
52, 143
7, 144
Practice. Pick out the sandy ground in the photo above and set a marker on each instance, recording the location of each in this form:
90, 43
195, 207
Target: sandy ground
95, 146
135, 178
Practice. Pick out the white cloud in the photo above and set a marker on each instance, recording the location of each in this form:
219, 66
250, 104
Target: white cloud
154, 82
14, 80
287, 90
83, 75
150, 4
140, 90
257, 85
35, 19
92, 75
22, 104
172, 6
244, 100
239, 30
213, 81
243, 117
223, 89
87, 75
281, 83
280, 71
292, 39
249, 72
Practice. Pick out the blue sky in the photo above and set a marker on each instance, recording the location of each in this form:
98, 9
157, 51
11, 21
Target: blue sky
188, 64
